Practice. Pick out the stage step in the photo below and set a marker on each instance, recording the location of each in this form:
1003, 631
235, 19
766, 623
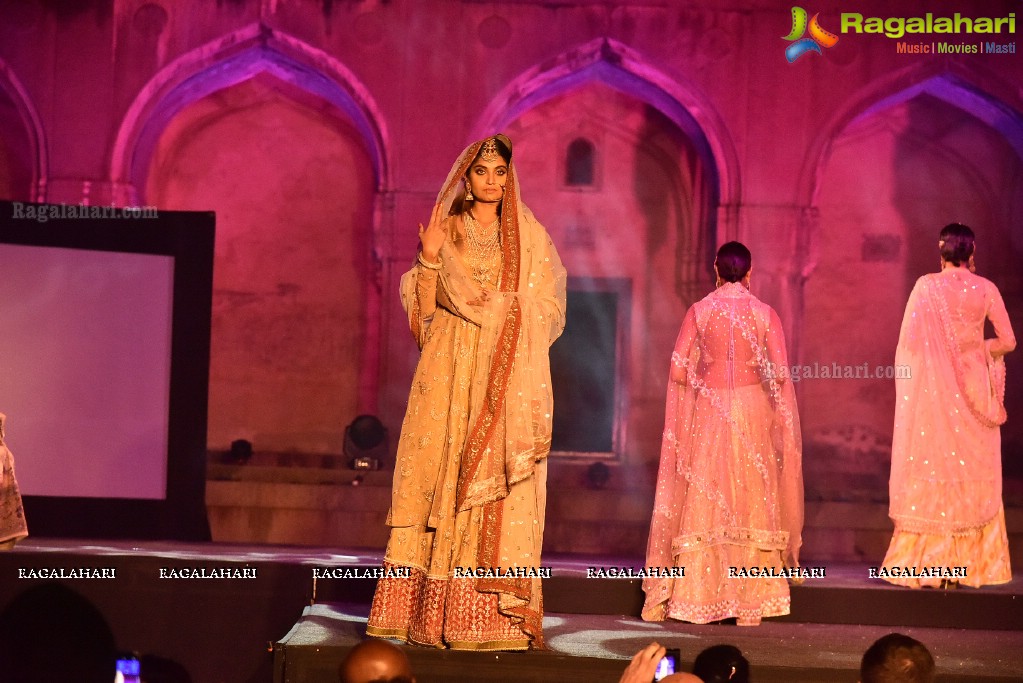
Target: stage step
315, 500
845, 595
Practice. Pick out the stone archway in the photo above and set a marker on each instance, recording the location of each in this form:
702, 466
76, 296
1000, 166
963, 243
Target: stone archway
23, 168
297, 323
909, 155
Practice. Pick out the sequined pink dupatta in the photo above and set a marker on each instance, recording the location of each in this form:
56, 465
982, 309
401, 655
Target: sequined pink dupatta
946, 455
727, 387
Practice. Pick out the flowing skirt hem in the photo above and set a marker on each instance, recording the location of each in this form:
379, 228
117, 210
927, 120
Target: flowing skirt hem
712, 593
983, 556
452, 613
744, 614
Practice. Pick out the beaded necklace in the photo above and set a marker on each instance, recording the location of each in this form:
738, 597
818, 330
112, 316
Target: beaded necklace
483, 247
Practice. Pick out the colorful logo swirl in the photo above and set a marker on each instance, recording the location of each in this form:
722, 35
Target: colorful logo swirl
818, 36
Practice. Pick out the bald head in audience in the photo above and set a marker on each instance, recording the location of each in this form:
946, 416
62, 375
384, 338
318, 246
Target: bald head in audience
376, 661
896, 658
681, 678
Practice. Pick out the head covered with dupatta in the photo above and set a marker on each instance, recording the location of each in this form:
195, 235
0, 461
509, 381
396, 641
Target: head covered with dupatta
518, 324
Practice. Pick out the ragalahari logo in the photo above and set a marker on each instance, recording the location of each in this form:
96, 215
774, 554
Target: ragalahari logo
818, 36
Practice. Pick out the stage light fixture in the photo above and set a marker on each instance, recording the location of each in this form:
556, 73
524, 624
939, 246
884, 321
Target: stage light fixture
241, 451
365, 443
597, 475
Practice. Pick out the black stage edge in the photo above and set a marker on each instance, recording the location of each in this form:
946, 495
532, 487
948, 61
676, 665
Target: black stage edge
218, 630
595, 648
289, 624
845, 596
820, 603
592, 628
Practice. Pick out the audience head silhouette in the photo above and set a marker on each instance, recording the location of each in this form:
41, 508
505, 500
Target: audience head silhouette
51, 633
896, 658
721, 664
376, 661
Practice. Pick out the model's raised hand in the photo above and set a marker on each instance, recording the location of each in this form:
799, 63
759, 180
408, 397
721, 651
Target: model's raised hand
433, 235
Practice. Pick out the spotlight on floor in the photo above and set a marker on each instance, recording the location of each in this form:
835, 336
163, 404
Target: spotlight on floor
365, 443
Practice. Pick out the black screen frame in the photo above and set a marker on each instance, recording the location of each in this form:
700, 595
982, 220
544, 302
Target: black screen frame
188, 237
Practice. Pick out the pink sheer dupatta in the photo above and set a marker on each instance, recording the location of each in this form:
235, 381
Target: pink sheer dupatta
729, 486
946, 446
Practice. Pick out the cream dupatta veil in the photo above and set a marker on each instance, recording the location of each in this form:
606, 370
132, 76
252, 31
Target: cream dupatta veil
470, 479
729, 487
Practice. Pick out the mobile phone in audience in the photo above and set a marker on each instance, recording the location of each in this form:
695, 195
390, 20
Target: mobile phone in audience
669, 664
129, 669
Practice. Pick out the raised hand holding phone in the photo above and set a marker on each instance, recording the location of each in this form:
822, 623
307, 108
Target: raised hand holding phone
643, 665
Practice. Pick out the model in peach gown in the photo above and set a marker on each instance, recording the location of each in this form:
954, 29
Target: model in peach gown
729, 486
946, 478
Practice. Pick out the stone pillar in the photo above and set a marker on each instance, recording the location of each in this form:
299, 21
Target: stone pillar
375, 339
782, 240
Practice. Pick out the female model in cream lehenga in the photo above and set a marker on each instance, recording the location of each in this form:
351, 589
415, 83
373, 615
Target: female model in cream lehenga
485, 300
729, 494
946, 479
12, 513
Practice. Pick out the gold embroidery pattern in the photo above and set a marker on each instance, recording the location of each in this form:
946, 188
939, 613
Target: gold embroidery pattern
516, 592
443, 613
416, 322
938, 300
510, 243
481, 436
393, 602
745, 614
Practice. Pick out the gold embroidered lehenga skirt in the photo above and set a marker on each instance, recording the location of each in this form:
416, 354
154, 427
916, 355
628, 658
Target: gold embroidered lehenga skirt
983, 553
442, 604
12, 514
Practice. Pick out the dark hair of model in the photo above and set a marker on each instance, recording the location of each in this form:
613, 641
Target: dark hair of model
956, 243
733, 261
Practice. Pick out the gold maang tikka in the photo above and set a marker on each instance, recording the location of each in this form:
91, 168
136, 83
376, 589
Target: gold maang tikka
488, 152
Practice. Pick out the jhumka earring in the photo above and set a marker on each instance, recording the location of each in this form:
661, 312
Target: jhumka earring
468, 191
971, 265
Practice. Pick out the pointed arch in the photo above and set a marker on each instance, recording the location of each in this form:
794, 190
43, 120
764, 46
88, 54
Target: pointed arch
32, 124
951, 82
233, 59
227, 61
623, 69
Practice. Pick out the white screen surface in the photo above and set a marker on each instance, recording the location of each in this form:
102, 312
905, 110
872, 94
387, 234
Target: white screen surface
85, 353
